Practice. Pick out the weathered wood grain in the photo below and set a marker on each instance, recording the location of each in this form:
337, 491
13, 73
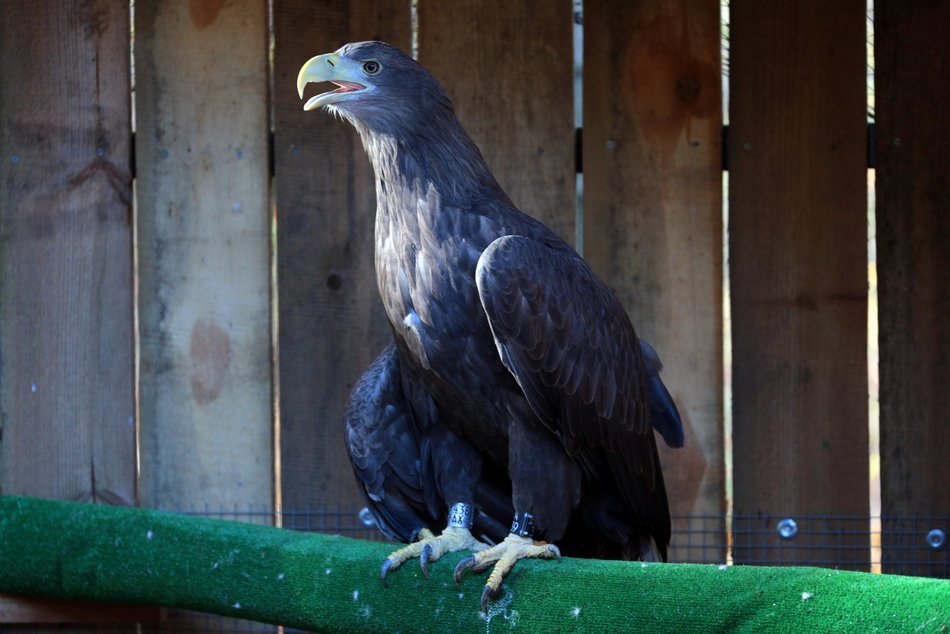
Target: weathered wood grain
203, 258
798, 217
653, 217
67, 427
508, 68
331, 320
912, 55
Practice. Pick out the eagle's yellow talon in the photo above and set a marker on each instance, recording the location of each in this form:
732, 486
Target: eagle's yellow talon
504, 556
430, 547
468, 562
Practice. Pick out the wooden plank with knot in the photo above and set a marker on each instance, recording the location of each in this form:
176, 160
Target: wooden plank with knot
653, 217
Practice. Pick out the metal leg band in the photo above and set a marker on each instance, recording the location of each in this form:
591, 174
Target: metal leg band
523, 525
461, 515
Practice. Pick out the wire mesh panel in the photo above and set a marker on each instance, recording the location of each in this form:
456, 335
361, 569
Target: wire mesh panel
699, 539
349, 522
832, 541
916, 546
844, 542
829, 541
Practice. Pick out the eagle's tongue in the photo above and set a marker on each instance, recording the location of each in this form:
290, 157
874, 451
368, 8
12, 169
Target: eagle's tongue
347, 86
343, 86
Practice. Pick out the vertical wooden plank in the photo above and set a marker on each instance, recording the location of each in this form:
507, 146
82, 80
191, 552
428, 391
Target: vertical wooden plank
66, 395
912, 56
508, 68
330, 318
67, 426
202, 157
653, 219
798, 217
204, 261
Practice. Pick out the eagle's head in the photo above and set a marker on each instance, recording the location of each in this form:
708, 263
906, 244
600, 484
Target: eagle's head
378, 87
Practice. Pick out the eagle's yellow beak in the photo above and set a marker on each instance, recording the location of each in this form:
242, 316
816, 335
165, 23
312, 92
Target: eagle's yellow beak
335, 69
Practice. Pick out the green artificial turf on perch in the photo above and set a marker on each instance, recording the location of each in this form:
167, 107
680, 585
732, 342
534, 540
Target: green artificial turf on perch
326, 583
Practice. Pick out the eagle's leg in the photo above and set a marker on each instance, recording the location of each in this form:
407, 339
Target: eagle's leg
456, 469
517, 545
429, 547
545, 488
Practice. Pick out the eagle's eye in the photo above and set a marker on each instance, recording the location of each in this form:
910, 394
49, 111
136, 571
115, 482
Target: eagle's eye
371, 67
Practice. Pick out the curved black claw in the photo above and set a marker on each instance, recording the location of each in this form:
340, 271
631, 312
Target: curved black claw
468, 562
487, 594
385, 569
424, 559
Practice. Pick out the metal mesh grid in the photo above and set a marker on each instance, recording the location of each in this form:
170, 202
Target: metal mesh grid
916, 545
832, 541
910, 545
817, 540
699, 539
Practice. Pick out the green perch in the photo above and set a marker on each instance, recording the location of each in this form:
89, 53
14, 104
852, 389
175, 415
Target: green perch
84, 552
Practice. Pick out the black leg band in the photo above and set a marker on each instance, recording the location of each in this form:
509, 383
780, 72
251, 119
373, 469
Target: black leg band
461, 515
523, 525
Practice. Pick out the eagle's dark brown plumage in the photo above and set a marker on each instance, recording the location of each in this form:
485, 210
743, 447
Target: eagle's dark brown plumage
515, 381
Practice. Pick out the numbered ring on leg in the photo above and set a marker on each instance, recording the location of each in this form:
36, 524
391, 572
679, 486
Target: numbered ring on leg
461, 515
523, 525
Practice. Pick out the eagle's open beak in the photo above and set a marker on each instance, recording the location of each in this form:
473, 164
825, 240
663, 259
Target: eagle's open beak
331, 68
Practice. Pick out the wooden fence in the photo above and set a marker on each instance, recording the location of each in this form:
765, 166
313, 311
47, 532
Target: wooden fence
230, 180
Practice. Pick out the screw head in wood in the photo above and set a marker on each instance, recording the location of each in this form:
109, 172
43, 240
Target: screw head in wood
787, 528
936, 539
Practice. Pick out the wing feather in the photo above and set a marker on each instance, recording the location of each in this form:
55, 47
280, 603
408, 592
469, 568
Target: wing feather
570, 346
382, 440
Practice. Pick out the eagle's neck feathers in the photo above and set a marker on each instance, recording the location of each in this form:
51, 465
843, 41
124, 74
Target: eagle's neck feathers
439, 156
